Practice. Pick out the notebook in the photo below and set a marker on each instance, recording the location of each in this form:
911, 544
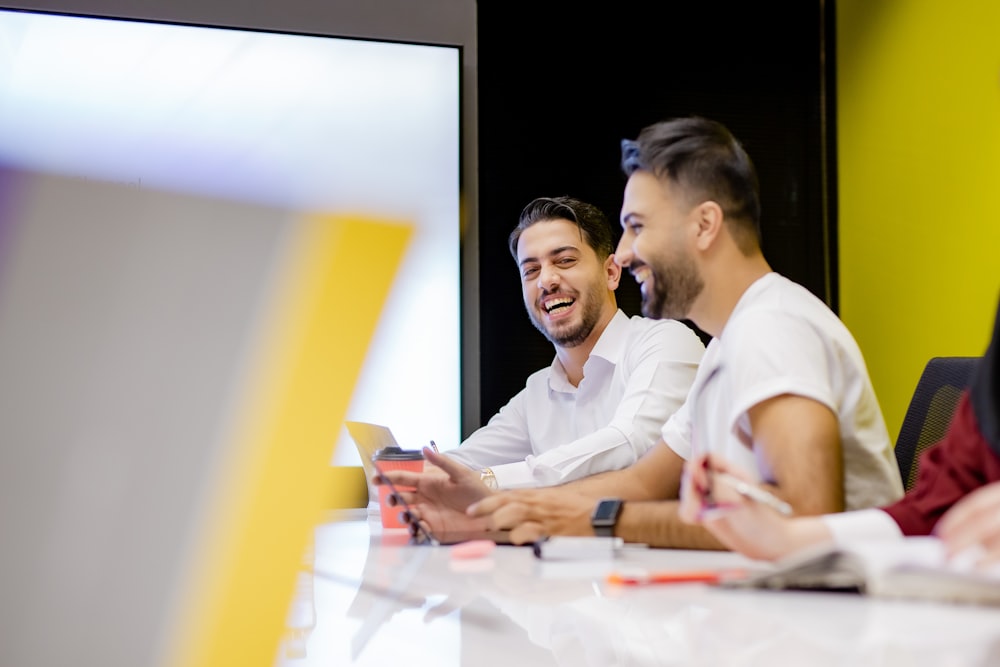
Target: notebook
911, 568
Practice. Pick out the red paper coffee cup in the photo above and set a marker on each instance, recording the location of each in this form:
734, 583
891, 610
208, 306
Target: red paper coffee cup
395, 458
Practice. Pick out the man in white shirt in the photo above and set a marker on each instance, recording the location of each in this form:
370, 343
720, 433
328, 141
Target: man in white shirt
783, 387
615, 379
956, 497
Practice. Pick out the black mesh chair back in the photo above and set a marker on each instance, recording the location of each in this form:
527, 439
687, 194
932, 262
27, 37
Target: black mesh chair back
930, 410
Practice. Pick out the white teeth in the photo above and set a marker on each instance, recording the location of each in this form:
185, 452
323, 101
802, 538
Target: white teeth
554, 303
642, 275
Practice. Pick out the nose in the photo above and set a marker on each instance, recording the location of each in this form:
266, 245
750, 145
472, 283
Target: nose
623, 253
548, 278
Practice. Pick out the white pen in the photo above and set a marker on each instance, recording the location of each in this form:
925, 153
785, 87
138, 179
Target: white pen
754, 493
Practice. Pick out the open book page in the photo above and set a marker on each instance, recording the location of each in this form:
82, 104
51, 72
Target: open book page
914, 567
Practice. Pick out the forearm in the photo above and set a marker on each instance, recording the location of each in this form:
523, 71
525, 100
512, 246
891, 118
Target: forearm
655, 476
603, 450
627, 484
658, 524
601, 485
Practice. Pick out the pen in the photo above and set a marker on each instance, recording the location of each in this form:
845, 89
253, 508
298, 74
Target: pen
754, 493
674, 577
434, 447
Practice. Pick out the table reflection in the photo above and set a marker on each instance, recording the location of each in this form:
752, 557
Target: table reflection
379, 599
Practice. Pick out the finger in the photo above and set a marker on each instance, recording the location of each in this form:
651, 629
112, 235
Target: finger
959, 527
977, 530
695, 470
411, 520
446, 463
487, 505
695, 491
401, 497
718, 463
399, 477
972, 508
991, 551
509, 515
411, 517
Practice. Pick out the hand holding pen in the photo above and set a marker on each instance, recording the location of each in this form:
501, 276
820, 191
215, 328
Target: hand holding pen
711, 489
741, 515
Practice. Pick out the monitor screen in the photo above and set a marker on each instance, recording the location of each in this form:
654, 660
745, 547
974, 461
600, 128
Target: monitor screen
153, 177
297, 122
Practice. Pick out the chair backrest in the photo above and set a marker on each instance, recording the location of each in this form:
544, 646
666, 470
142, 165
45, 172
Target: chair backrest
934, 401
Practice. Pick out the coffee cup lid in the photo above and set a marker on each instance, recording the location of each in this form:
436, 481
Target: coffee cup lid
398, 454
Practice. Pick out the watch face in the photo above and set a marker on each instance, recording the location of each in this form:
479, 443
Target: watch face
607, 510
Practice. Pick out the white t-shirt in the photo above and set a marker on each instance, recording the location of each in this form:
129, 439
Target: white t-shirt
551, 432
781, 339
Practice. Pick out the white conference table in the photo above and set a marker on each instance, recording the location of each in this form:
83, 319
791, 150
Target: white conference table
381, 601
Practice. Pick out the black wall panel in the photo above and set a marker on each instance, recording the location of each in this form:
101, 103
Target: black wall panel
560, 84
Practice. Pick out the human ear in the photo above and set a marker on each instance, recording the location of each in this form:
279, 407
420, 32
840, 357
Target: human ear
613, 270
709, 218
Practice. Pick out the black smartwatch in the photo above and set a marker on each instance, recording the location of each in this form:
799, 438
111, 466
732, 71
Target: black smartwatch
605, 516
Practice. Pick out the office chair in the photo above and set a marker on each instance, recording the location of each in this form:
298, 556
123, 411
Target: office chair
927, 417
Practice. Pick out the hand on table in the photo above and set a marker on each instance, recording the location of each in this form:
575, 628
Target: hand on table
444, 483
531, 514
974, 523
439, 495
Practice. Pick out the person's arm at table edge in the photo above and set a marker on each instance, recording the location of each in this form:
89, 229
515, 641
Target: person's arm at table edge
661, 365
655, 476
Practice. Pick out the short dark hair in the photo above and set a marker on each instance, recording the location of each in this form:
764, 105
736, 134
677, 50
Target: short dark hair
706, 161
594, 226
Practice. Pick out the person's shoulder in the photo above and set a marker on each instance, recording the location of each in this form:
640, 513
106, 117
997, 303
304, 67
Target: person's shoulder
641, 324
778, 301
777, 291
673, 334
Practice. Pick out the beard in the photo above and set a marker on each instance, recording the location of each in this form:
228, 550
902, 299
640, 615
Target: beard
567, 334
676, 284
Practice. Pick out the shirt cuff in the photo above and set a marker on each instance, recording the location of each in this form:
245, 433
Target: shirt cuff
861, 526
514, 475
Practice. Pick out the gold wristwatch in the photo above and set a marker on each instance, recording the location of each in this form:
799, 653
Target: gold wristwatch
487, 477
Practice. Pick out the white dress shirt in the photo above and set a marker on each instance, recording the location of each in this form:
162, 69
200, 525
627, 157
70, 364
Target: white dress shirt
551, 432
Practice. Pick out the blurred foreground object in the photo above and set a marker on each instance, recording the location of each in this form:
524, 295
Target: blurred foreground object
174, 373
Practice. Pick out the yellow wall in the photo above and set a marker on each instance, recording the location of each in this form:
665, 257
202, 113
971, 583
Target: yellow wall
918, 123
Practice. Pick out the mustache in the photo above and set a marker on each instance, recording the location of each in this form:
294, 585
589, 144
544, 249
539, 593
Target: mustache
636, 266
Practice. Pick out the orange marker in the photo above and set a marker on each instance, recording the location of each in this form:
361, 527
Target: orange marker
674, 577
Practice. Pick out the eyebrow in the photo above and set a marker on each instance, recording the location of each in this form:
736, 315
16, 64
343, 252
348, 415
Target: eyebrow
555, 252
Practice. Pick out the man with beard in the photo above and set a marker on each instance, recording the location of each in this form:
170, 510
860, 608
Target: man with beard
614, 380
783, 390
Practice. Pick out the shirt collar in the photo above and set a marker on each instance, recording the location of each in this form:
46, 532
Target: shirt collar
611, 344
610, 347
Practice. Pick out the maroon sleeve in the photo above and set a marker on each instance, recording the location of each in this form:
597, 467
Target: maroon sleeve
958, 464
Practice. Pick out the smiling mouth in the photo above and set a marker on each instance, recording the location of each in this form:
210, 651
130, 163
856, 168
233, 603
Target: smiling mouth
642, 274
557, 305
